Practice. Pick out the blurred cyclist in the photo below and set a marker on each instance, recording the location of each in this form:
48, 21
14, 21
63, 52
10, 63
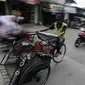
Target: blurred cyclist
8, 26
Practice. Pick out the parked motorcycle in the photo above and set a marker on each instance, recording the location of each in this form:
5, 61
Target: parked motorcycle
81, 37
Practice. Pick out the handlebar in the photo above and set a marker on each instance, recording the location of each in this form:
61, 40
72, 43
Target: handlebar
43, 36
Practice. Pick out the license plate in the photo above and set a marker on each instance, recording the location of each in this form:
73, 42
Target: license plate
25, 43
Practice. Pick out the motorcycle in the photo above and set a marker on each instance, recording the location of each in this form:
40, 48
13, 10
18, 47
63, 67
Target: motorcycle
81, 38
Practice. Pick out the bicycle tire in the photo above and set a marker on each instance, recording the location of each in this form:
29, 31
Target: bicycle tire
77, 42
58, 61
32, 68
36, 59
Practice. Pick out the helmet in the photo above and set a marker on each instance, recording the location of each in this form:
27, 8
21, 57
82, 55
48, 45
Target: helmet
59, 17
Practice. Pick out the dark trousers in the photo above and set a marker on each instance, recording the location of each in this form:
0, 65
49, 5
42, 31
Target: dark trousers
59, 43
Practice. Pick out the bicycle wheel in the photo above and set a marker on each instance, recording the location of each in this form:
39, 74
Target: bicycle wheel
57, 58
36, 74
77, 42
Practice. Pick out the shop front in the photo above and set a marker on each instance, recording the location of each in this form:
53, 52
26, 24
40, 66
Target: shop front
30, 10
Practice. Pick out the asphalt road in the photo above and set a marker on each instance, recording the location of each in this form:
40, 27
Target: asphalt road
72, 70
77, 54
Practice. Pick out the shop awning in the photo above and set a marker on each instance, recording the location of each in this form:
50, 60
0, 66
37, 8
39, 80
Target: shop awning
31, 1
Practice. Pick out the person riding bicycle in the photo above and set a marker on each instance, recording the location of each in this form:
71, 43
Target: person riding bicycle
59, 28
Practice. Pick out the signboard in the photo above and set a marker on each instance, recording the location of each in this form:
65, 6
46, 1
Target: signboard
32, 1
68, 9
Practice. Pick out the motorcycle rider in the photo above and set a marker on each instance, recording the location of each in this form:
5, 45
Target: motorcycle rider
59, 28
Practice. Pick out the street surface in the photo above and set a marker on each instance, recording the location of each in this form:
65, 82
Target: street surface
72, 70
77, 54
